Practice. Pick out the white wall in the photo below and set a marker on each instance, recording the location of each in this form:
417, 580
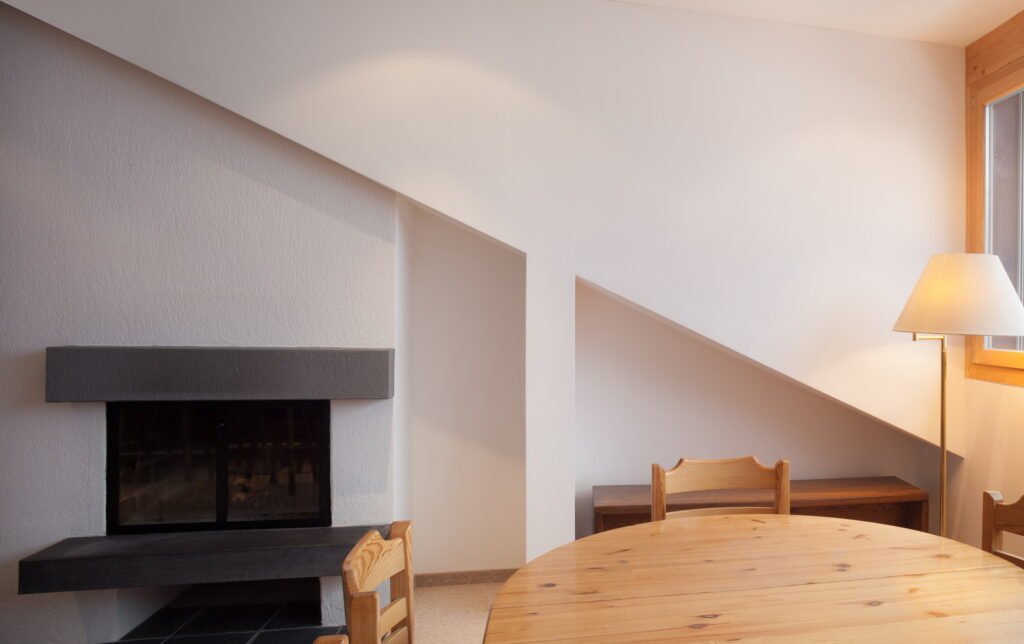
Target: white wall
775, 188
465, 316
650, 392
133, 212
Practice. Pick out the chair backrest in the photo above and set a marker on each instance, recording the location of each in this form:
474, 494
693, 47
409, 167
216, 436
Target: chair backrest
720, 474
373, 561
998, 517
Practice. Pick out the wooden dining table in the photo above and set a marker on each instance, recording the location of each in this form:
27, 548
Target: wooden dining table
764, 578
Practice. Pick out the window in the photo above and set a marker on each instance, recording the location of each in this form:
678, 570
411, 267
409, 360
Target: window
995, 193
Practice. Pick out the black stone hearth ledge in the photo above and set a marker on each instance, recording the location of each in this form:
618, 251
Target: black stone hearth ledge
103, 374
126, 561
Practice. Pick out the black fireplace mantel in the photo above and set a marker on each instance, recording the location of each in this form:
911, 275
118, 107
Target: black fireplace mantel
109, 374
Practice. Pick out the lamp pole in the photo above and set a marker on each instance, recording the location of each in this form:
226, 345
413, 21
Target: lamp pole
942, 428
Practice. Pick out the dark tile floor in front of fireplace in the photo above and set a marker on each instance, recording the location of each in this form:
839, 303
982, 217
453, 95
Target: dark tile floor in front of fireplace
226, 615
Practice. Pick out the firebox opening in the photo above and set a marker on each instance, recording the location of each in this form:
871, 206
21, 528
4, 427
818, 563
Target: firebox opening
174, 466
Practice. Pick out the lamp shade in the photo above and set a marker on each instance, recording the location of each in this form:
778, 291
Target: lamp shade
963, 294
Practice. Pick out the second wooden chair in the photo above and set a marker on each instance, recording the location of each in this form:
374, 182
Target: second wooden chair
371, 562
721, 474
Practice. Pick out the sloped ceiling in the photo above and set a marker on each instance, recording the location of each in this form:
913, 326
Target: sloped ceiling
947, 22
774, 188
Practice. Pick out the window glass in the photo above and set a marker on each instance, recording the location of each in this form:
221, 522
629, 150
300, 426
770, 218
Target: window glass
1003, 199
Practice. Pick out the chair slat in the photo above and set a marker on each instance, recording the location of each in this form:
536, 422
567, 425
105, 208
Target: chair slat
1009, 556
392, 614
401, 636
739, 509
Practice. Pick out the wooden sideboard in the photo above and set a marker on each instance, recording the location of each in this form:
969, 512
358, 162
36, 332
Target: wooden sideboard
880, 499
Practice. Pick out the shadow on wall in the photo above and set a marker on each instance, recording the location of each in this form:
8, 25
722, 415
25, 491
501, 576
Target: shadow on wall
648, 391
460, 394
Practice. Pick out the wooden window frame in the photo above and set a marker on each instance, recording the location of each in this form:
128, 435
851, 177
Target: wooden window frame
995, 69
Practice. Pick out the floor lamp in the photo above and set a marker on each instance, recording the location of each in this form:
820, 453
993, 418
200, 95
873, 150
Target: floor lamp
960, 294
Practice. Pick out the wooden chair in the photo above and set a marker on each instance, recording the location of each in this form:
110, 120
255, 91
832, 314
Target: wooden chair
373, 561
998, 517
721, 474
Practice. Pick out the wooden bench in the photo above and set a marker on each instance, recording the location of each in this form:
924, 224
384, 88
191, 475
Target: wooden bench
880, 499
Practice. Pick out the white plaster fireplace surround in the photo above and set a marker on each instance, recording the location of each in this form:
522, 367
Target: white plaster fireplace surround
134, 213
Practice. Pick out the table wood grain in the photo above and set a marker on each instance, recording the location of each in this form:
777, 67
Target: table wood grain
765, 577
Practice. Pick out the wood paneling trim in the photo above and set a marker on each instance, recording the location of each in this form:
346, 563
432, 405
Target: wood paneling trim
996, 50
1005, 367
496, 576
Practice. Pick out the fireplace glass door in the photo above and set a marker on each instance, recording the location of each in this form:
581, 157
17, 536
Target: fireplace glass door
217, 465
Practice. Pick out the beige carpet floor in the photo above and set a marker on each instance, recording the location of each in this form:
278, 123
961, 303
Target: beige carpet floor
453, 614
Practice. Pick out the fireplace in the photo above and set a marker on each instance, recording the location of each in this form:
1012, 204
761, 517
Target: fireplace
199, 473
213, 465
